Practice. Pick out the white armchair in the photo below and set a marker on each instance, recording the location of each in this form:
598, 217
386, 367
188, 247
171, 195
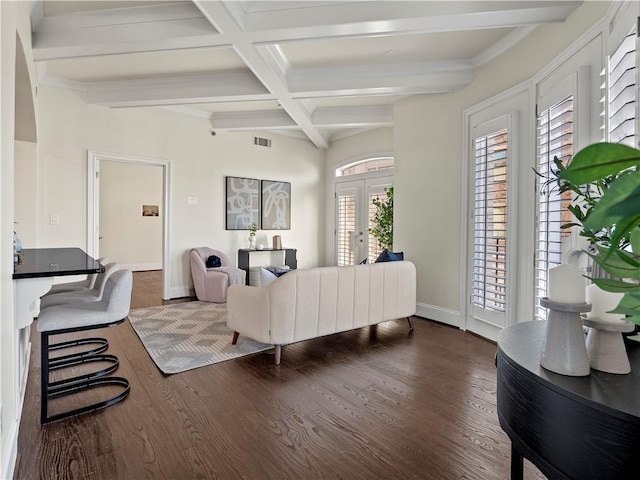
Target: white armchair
211, 284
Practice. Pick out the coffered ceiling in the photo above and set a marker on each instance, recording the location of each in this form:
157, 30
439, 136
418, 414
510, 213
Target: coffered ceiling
316, 69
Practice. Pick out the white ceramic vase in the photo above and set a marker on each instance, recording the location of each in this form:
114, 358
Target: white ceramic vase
252, 241
563, 349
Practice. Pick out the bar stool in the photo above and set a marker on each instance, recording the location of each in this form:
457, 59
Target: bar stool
112, 310
86, 284
81, 296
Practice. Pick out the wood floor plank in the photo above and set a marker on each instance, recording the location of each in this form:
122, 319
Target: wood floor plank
372, 403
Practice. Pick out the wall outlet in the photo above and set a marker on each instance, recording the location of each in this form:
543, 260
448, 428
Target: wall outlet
54, 219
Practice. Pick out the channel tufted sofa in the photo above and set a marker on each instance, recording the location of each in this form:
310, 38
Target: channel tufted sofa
309, 303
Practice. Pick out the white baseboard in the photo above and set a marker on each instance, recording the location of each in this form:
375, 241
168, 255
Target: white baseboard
438, 314
139, 267
180, 292
10, 453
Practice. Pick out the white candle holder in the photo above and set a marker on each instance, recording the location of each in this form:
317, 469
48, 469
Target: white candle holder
605, 345
563, 348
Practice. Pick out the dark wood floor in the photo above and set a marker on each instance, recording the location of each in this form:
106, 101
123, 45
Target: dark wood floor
374, 403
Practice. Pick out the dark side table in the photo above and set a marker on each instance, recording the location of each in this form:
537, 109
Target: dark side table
569, 427
244, 254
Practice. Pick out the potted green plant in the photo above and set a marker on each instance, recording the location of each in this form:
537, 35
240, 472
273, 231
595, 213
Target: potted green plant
605, 177
382, 229
253, 228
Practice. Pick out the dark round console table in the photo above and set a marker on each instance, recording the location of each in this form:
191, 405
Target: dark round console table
569, 427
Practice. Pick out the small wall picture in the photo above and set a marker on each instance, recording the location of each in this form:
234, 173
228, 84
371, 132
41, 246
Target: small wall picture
276, 205
242, 203
150, 211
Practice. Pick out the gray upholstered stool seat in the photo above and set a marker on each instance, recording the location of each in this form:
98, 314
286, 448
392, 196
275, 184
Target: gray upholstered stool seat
81, 296
108, 312
86, 284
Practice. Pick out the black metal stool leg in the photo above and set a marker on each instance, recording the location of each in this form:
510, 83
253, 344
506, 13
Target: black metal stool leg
44, 376
79, 383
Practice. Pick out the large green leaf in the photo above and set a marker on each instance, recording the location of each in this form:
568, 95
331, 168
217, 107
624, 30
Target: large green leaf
634, 238
633, 319
598, 161
629, 305
619, 206
616, 263
609, 285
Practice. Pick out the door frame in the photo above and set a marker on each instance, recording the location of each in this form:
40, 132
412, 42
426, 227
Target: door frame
362, 182
93, 204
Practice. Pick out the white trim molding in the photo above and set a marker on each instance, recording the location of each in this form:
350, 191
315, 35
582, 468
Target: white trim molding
439, 314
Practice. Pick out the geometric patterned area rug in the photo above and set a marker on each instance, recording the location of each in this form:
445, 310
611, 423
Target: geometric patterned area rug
183, 336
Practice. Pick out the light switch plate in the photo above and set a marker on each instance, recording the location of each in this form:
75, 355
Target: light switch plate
54, 219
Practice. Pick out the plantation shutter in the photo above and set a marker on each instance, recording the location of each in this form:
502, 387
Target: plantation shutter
489, 248
346, 226
622, 91
554, 139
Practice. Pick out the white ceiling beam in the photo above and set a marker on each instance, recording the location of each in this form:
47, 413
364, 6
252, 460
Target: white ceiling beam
223, 22
223, 87
325, 117
303, 84
353, 117
377, 80
256, 120
124, 30
118, 16
547, 12
165, 27
385, 15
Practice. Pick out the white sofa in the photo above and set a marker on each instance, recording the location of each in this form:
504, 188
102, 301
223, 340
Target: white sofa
310, 303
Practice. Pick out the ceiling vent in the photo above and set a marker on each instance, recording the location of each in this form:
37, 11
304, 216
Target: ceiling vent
262, 142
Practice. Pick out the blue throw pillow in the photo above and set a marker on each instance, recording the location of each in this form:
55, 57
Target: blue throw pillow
213, 262
387, 256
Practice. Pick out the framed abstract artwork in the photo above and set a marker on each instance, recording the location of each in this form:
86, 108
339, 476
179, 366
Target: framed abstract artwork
242, 203
276, 205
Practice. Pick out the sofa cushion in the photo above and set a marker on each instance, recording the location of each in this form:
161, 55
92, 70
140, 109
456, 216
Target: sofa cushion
388, 256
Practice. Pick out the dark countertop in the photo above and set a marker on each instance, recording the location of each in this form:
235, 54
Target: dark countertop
54, 262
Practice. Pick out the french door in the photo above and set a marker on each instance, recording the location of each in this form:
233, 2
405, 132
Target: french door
354, 214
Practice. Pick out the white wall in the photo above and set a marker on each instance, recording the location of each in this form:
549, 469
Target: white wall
25, 191
14, 20
428, 153
199, 163
127, 237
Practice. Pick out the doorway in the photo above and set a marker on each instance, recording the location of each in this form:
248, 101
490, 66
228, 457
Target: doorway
141, 220
354, 213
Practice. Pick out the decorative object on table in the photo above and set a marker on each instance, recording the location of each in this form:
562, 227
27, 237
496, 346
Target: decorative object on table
252, 236
259, 246
606, 181
382, 220
277, 242
276, 205
242, 203
17, 249
605, 345
563, 348
183, 336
